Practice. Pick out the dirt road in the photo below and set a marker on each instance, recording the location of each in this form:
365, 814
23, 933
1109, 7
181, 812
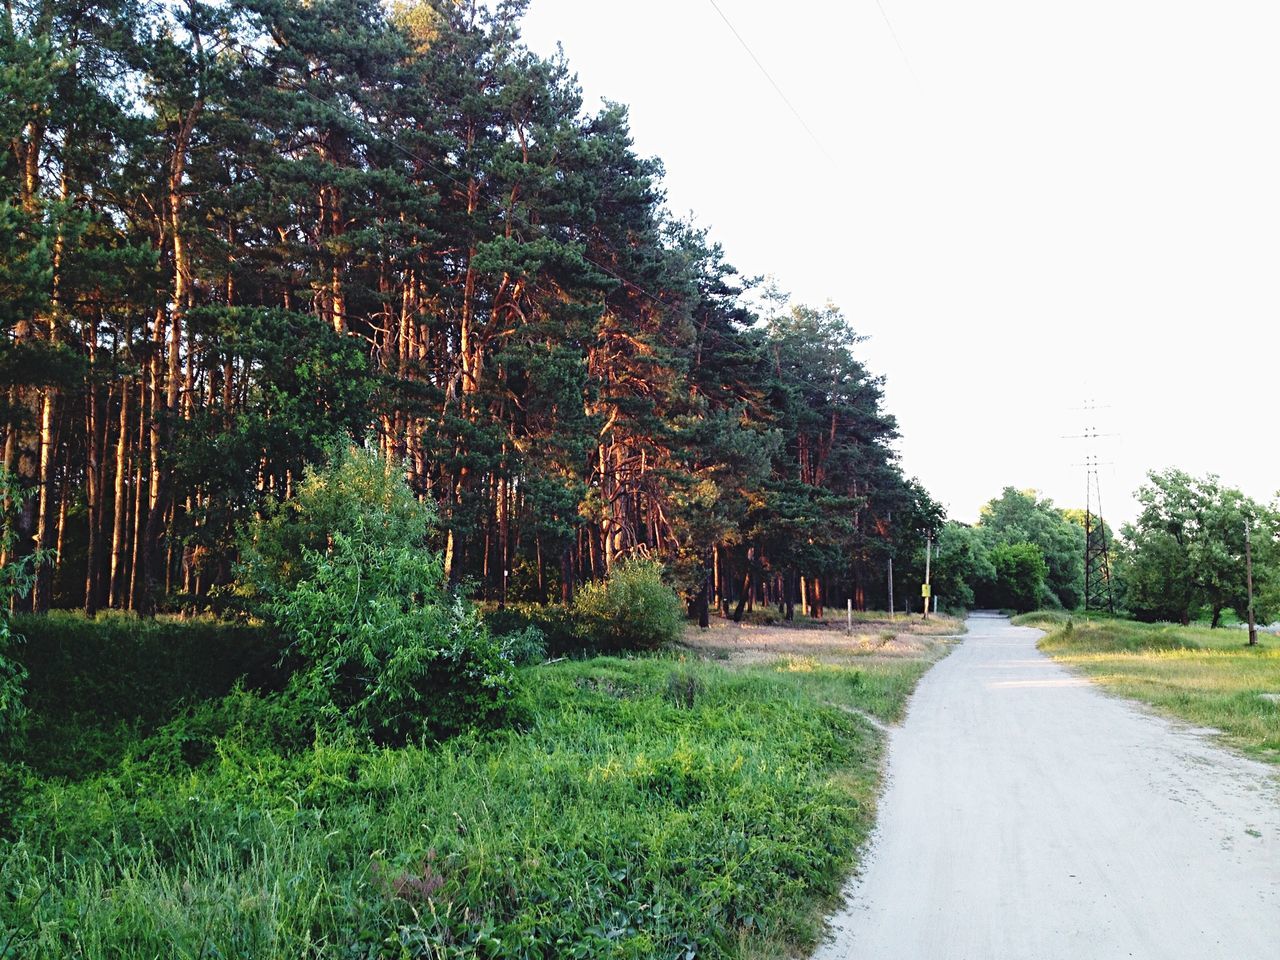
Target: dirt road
1028, 816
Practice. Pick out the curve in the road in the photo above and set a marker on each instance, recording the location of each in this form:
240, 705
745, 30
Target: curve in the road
1029, 816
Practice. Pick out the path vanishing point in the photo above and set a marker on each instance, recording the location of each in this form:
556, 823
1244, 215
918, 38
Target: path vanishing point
1030, 816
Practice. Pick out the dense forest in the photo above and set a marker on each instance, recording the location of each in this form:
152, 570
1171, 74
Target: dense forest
233, 234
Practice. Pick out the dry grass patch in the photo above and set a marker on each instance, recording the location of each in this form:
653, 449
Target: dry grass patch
829, 642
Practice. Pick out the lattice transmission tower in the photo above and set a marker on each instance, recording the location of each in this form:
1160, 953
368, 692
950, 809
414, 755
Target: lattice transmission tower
1098, 592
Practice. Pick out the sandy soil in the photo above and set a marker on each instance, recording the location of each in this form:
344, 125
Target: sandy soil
829, 643
1029, 816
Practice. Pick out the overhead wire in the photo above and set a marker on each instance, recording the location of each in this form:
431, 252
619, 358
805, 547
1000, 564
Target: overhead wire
896, 42
772, 82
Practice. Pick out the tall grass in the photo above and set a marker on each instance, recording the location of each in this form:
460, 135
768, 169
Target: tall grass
644, 808
1209, 677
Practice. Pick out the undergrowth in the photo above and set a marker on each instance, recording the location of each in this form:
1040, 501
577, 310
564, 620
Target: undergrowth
641, 808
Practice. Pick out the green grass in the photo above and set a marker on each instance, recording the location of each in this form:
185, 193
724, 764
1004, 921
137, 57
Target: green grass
1208, 677
652, 807
880, 688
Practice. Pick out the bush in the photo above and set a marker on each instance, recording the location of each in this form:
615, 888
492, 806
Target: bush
357, 493
632, 609
525, 647
122, 666
560, 631
385, 648
95, 684
16, 579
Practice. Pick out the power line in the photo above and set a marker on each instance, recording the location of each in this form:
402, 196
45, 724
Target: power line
896, 42
785, 99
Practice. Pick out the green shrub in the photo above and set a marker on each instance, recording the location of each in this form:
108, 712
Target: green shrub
383, 645
632, 609
560, 632
525, 647
126, 667
356, 493
16, 579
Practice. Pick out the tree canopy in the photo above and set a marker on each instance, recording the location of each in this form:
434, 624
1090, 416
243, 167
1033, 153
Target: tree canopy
1186, 550
231, 232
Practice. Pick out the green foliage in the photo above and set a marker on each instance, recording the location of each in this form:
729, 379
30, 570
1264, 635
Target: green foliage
1020, 572
525, 647
382, 644
650, 809
1019, 516
632, 609
553, 621
1186, 550
96, 683
962, 562
356, 494
386, 648
16, 579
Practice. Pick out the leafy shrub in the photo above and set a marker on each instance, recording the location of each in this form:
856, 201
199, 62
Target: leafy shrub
560, 631
356, 493
122, 666
16, 579
96, 684
632, 609
249, 721
525, 647
383, 645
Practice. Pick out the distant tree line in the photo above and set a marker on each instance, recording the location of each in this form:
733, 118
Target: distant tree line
1186, 551
1023, 553
232, 232
1184, 554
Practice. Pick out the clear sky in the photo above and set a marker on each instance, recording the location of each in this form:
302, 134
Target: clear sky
1024, 205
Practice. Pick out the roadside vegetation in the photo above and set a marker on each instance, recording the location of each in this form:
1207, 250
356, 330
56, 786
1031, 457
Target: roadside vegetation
686, 803
371, 766
1208, 677
1186, 556
635, 808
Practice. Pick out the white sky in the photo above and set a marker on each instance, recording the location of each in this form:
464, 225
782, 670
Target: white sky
1053, 201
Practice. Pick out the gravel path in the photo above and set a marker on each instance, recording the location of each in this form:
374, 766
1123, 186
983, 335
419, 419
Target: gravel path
1029, 816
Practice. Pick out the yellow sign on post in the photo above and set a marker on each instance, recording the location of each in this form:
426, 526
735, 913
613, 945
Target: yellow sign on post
925, 591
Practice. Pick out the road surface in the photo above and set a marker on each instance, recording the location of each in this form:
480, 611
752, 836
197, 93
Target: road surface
1029, 816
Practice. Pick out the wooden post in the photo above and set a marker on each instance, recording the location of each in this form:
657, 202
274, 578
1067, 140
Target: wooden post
892, 610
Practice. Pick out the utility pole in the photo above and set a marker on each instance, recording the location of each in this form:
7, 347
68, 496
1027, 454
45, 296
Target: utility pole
928, 549
1248, 576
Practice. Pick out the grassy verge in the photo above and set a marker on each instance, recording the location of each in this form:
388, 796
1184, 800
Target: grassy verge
1208, 677
673, 806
